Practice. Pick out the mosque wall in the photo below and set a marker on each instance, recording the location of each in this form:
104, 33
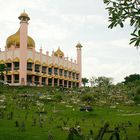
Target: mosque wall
61, 62
2, 55
37, 56
30, 54
16, 53
9, 54
49, 60
44, 58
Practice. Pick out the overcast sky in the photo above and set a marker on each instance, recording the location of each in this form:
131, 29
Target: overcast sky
63, 23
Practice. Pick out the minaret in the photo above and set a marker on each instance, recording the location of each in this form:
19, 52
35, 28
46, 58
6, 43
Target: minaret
23, 47
79, 61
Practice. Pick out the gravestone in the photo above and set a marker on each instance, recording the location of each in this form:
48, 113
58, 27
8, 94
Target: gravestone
17, 123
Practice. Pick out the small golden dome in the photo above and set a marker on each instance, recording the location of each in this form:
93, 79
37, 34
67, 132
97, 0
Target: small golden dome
24, 15
79, 45
59, 53
15, 40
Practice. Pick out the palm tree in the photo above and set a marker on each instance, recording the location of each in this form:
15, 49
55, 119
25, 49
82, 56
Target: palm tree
84, 81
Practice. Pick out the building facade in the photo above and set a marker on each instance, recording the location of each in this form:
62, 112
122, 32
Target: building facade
23, 65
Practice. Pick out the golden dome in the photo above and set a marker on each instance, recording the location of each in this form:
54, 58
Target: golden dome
24, 15
59, 53
79, 45
15, 40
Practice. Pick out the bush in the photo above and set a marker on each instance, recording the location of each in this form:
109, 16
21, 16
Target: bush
58, 97
137, 99
87, 98
138, 90
137, 95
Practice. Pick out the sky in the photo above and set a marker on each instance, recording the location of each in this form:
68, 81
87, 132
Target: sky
64, 23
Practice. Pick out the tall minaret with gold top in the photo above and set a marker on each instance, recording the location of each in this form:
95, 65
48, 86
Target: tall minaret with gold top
23, 47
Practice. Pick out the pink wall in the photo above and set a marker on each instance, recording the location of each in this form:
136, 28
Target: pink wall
23, 52
79, 62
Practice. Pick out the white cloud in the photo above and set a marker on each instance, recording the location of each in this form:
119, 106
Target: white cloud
63, 23
122, 42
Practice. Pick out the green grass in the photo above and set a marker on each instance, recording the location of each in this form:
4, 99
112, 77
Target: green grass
87, 120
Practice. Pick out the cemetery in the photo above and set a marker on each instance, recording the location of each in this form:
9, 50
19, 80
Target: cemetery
54, 113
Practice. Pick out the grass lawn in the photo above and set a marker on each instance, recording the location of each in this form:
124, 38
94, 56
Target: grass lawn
64, 115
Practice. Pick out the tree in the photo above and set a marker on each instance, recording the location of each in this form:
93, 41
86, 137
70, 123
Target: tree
84, 81
124, 10
131, 78
103, 81
2, 68
137, 95
92, 81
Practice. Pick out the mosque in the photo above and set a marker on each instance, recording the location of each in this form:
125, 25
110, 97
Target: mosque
23, 65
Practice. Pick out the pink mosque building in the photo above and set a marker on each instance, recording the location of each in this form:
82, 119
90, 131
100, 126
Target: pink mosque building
25, 66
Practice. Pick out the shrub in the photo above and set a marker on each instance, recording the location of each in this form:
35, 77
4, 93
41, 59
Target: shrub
137, 99
137, 95
138, 90
87, 98
58, 97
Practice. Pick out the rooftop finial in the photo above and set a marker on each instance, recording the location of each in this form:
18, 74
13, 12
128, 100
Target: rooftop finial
79, 45
24, 16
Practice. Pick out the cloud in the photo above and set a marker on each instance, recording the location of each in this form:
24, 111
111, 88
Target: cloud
124, 42
83, 19
111, 61
94, 67
63, 23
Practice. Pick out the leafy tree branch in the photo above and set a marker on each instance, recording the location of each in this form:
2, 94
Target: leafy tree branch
121, 10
